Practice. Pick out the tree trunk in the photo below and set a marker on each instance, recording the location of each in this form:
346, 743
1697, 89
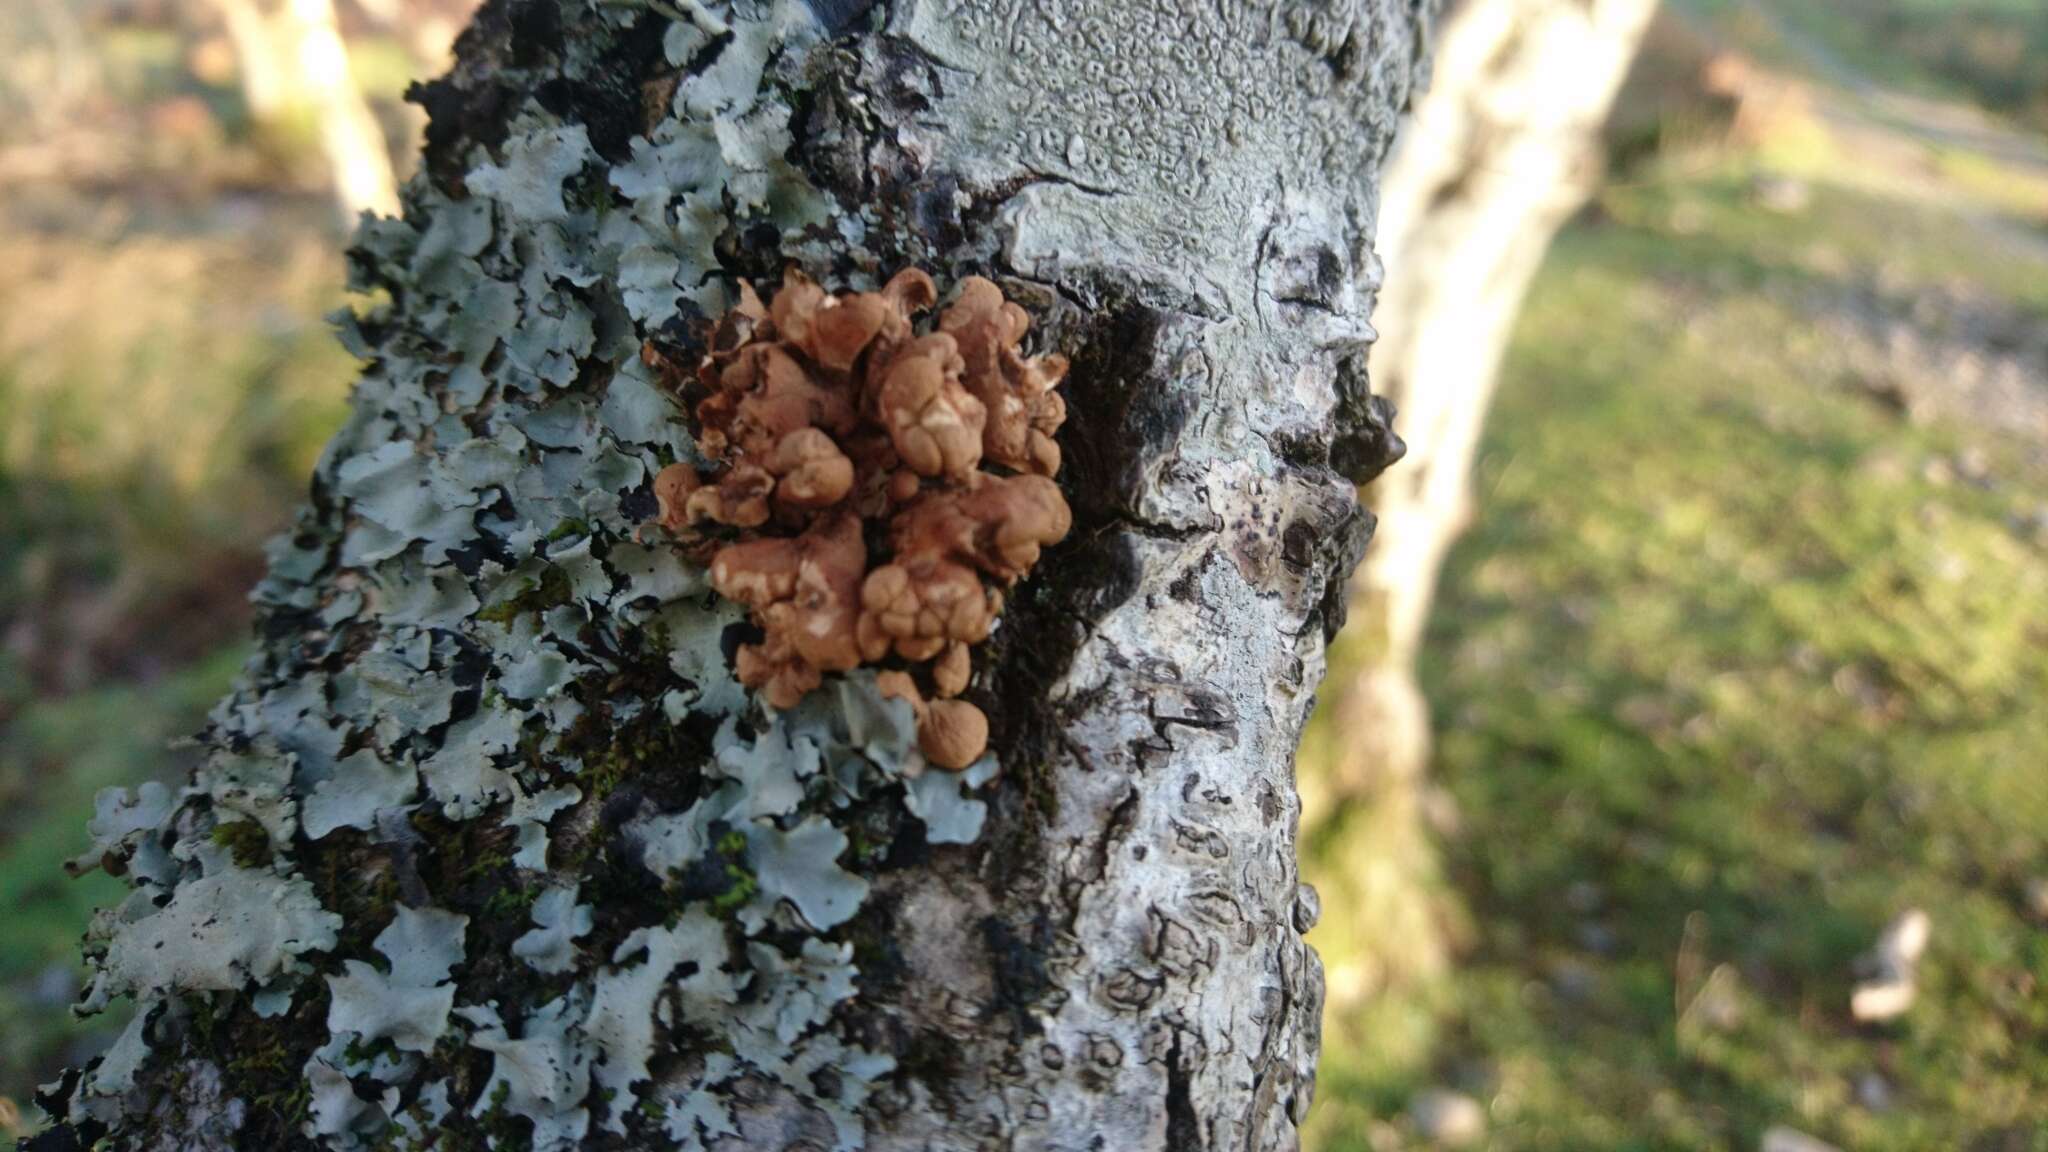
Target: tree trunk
447, 869
297, 62
258, 64
1503, 149
358, 160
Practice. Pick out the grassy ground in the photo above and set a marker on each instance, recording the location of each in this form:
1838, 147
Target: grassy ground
1738, 663
1993, 53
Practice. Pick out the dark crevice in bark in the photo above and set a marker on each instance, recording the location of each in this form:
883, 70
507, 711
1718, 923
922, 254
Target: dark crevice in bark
1339, 548
836, 16
1017, 957
832, 132
1122, 417
1183, 1126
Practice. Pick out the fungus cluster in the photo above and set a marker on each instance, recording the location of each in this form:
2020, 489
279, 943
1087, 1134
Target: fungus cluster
874, 489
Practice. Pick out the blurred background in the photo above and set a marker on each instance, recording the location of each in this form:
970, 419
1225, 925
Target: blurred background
1682, 780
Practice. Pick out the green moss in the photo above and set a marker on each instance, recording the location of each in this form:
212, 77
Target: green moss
741, 890
500, 1129
548, 590
740, 883
262, 1058
510, 903
486, 864
340, 867
602, 775
359, 1051
246, 841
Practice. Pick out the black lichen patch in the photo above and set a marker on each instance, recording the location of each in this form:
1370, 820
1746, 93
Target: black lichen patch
930, 1057
475, 105
536, 32
832, 133
878, 945
459, 115
607, 99
1017, 960
80, 1137
836, 16
934, 205
753, 252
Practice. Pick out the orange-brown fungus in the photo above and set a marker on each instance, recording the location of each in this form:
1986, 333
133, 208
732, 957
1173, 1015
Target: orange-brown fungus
830, 414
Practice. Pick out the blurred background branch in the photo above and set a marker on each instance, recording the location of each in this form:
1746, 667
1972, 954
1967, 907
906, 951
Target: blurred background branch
293, 62
1502, 150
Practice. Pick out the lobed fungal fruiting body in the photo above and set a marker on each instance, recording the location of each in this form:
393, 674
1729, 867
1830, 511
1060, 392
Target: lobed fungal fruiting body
873, 488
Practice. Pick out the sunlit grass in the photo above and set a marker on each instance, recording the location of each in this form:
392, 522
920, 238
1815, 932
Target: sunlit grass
1993, 53
2005, 187
1729, 673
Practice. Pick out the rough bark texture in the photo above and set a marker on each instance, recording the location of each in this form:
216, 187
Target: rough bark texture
490, 850
1503, 149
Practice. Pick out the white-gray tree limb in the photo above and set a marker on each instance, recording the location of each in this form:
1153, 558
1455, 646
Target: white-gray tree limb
1500, 153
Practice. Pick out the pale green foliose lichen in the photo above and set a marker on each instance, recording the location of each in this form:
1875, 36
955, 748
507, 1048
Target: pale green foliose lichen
410, 1004
472, 643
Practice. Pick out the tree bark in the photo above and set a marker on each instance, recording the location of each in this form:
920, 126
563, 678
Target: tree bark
446, 877
1500, 153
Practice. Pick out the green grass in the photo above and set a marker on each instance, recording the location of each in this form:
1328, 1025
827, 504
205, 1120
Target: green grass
1992, 53
1725, 677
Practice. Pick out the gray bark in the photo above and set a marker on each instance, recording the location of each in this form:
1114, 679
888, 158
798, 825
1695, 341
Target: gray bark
450, 874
